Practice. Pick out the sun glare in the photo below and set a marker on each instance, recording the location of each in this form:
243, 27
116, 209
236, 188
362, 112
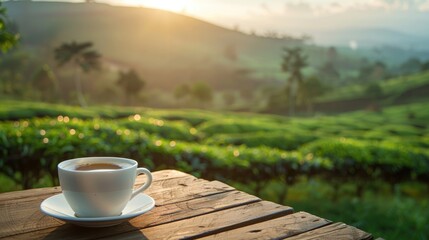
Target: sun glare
169, 5
172, 5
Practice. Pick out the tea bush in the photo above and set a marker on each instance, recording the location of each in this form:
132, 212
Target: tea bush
279, 140
356, 147
371, 160
235, 126
34, 147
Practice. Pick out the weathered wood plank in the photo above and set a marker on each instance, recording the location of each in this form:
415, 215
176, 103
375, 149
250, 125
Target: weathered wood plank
339, 231
164, 175
211, 223
158, 175
159, 215
195, 207
187, 207
25, 216
181, 193
278, 228
28, 193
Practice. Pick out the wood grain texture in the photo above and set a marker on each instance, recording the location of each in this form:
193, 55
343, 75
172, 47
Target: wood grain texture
164, 175
278, 228
160, 215
186, 207
22, 214
179, 193
339, 231
28, 193
190, 201
194, 207
211, 223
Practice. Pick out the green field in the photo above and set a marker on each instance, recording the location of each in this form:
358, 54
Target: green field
359, 167
391, 88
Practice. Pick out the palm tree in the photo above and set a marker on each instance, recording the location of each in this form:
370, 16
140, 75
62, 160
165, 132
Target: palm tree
82, 58
131, 83
292, 64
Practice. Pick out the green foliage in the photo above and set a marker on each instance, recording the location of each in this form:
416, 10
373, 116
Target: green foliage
391, 88
351, 146
313, 87
192, 117
229, 98
280, 140
14, 67
278, 99
7, 38
373, 91
365, 159
373, 72
131, 83
293, 62
329, 73
220, 126
161, 128
425, 66
411, 66
45, 81
200, 91
14, 110
182, 91
197, 94
33, 148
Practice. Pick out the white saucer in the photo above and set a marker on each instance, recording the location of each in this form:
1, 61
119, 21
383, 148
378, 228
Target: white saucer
57, 207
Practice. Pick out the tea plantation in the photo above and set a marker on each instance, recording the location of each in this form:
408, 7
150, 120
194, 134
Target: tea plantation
375, 163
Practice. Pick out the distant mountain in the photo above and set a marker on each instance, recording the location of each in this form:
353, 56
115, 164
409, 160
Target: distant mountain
373, 37
167, 48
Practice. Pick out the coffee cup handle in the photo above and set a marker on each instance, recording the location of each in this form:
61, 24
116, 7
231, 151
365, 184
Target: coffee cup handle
147, 183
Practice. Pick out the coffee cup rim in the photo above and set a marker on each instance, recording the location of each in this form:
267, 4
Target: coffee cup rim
63, 164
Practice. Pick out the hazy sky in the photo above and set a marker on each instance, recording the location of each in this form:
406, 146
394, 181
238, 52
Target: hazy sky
296, 17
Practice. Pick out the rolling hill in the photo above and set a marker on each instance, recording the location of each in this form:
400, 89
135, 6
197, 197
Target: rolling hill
166, 47
394, 88
395, 91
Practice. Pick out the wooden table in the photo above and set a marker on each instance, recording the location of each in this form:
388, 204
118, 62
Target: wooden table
186, 207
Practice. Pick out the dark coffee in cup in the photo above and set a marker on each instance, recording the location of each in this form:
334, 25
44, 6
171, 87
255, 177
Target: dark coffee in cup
97, 166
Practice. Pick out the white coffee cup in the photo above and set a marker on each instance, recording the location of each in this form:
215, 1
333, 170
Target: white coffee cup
100, 192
